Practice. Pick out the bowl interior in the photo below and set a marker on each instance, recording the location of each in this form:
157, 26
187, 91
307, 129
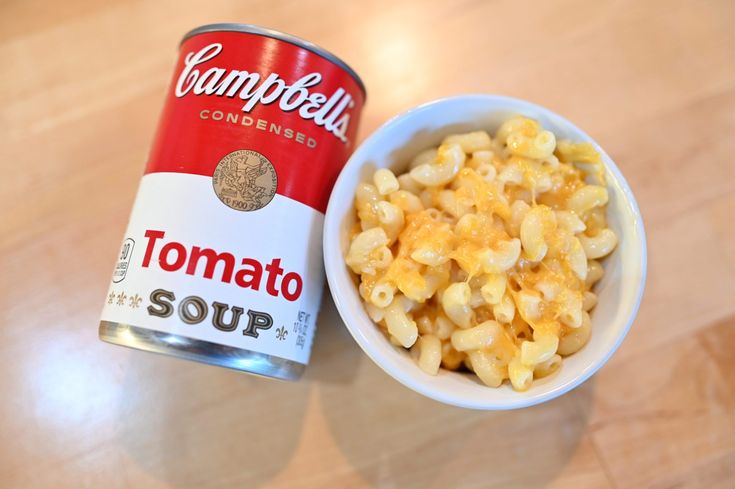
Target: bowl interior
393, 146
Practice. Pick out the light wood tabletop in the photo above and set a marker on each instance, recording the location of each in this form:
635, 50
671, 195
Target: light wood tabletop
81, 88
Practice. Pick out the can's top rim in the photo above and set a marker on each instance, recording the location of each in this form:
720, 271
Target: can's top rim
264, 31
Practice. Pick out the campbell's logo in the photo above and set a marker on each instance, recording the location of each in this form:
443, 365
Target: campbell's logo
327, 111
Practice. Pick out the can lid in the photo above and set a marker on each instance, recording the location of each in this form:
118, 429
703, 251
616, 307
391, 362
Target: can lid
263, 31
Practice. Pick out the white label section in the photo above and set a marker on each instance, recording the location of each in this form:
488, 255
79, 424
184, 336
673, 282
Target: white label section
191, 266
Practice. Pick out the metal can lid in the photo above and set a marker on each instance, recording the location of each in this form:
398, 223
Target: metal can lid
263, 31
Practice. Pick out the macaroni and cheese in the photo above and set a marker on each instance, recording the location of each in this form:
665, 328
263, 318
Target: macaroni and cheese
484, 254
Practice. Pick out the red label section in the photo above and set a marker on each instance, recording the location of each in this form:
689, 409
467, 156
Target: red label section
234, 90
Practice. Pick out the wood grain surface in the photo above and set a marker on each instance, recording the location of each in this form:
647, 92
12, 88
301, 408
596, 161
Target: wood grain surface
81, 86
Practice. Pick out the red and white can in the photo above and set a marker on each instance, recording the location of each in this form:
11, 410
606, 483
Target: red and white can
222, 259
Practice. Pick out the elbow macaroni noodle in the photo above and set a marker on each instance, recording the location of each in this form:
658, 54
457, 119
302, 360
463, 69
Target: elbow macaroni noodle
484, 254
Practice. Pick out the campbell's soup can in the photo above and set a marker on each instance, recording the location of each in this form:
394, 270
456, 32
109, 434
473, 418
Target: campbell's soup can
222, 259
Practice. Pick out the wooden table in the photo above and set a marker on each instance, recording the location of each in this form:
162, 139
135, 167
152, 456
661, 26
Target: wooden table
81, 86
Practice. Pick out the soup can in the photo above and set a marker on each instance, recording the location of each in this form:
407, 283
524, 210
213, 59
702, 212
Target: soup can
221, 262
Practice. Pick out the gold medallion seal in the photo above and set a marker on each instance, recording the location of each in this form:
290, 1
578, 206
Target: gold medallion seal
245, 180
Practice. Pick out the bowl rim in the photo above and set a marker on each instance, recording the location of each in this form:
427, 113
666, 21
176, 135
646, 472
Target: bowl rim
332, 255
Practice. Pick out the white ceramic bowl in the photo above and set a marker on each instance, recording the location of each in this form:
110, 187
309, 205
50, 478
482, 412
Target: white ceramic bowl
392, 146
